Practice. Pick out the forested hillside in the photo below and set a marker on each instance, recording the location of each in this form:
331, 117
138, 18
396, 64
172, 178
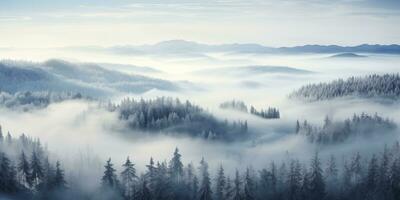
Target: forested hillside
62, 76
381, 86
270, 113
175, 117
26, 101
331, 132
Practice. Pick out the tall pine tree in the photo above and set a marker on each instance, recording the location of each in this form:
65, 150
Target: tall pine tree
205, 192
128, 179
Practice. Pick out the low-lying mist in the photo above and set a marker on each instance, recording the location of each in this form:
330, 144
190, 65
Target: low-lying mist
78, 131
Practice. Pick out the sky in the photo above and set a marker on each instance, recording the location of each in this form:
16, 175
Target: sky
56, 23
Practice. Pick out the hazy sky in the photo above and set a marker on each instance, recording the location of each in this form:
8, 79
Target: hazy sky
49, 23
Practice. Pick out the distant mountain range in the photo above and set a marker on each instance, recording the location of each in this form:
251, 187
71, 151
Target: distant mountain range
184, 47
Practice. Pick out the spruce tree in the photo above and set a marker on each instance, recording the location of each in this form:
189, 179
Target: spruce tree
128, 179
372, 179
176, 166
395, 178
189, 181
294, 180
249, 186
8, 182
176, 173
317, 184
144, 192
220, 184
228, 190
24, 171
205, 192
331, 177
37, 173
162, 184
47, 183
151, 175
109, 179
384, 174
195, 186
59, 179
237, 187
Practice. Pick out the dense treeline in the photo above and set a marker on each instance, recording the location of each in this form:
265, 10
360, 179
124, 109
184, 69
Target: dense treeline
352, 177
234, 105
26, 172
270, 113
35, 100
355, 178
173, 116
335, 132
386, 86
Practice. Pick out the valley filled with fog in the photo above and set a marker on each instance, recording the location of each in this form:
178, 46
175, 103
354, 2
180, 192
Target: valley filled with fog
239, 109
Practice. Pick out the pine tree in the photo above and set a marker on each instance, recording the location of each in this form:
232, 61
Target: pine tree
273, 180
220, 184
195, 186
205, 192
128, 179
331, 176
384, 174
191, 185
294, 180
162, 184
346, 182
151, 175
8, 182
48, 178
249, 186
59, 180
176, 166
37, 173
24, 171
357, 174
372, 178
109, 179
144, 191
228, 190
395, 178
237, 187
356, 169
317, 184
